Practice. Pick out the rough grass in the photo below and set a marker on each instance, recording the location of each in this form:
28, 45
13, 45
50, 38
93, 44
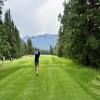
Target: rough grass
59, 79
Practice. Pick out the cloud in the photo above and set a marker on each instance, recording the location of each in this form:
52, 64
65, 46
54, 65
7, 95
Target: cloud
35, 16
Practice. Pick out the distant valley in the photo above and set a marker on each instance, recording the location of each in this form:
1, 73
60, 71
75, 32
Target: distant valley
42, 41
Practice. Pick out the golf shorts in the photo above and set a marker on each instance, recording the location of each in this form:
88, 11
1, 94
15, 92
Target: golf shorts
36, 64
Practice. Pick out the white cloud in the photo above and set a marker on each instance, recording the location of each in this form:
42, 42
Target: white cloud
35, 16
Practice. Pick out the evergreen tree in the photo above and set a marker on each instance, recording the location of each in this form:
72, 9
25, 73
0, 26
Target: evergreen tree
12, 36
11, 44
3, 44
30, 47
24, 48
79, 36
62, 31
51, 50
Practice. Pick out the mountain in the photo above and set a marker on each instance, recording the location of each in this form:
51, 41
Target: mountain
43, 41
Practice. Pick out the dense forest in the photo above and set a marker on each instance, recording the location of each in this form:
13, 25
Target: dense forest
11, 45
79, 33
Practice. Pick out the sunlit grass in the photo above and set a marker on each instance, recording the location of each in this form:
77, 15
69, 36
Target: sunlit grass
59, 78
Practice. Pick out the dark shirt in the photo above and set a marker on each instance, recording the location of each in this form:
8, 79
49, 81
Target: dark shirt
37, 55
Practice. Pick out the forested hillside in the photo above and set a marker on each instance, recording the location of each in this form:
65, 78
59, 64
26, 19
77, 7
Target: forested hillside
11, 45
79, 33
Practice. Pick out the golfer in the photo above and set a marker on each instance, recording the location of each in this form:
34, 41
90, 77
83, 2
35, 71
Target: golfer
36, 60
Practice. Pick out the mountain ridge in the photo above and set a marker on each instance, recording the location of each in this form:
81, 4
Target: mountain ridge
42, 41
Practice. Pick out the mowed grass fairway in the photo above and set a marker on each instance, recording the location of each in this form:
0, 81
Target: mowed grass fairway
59, 79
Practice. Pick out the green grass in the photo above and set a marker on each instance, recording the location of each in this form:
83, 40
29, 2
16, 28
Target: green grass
59, 79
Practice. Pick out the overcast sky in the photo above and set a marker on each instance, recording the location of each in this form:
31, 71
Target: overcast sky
33, 17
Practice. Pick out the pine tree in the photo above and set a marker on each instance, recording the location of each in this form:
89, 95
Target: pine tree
30, 47
79, 36
63, 27
24, 48
93, 36
51, 50
3, 44
13, 37
10, 41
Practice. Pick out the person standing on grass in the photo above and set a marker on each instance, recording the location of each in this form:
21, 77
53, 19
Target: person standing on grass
36, 60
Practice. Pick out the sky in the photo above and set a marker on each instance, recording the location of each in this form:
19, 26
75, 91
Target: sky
35, 17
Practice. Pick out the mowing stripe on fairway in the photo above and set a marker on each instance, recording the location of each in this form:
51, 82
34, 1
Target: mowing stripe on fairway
55, 81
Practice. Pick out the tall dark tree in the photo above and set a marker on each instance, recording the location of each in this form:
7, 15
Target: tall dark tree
10, 39
24, 48
51, 50
13, 36
11, 44
30, 47
79, 36
3, 44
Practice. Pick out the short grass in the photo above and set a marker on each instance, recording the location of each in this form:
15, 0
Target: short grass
59, 79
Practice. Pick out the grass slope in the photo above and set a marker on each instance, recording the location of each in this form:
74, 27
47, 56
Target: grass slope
59, 79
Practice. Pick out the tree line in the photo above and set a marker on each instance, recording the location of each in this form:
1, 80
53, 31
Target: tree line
11, 45
79, 33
